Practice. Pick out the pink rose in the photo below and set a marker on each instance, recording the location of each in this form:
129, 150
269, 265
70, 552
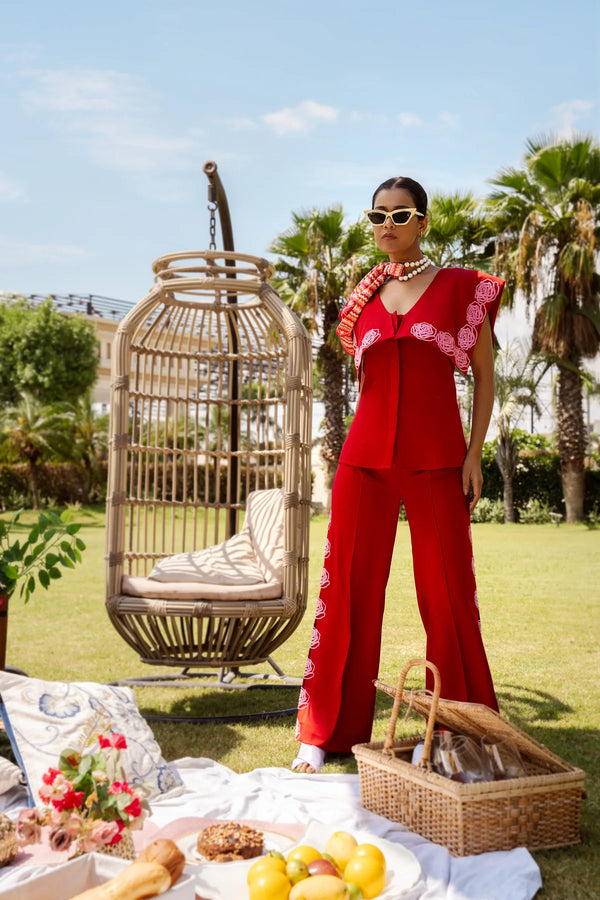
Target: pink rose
476, 313
113, 740
59, 839
467, 337
370, 337
321, 609
445, 342
315, 639
461, 359
324, 578
487, 290
74, 824
28, 829
423, 331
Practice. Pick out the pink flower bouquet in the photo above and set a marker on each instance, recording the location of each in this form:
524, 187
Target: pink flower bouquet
88, 801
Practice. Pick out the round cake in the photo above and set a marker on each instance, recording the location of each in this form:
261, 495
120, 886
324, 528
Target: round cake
229, 841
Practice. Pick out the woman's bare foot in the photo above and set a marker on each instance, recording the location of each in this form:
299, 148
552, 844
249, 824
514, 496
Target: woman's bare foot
310, 759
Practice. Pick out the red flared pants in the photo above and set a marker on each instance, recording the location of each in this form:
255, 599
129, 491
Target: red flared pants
337, 699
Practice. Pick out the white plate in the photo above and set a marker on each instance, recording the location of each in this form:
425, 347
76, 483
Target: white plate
403, 869
226, 881
272, 841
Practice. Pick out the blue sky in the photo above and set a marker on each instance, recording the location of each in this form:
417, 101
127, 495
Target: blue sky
109, 110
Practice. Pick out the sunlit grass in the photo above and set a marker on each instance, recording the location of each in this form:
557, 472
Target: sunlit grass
538, 585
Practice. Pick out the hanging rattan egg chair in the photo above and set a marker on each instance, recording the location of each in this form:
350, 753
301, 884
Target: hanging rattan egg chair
211, 405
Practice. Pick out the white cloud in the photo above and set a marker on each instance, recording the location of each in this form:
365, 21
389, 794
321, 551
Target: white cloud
83, 90
9, 188
566, 113
409, 119
125, 145
295, 119
451, 120
23, 253
111, 116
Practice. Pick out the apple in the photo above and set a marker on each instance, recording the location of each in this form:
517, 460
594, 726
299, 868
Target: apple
322, 867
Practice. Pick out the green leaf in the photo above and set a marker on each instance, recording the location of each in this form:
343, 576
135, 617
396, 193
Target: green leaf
33, 535
44, 578
30, 584
65, 546
51, 560
11, 572
80, 544
53, 572
72, 529
65, 516
77, 555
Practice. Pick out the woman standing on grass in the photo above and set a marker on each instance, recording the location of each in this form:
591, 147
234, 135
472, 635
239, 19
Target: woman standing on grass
407, 324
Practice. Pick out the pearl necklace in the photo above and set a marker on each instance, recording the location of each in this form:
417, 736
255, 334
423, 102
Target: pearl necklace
420, 264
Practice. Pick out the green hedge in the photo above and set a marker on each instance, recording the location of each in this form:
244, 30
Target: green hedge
537, 477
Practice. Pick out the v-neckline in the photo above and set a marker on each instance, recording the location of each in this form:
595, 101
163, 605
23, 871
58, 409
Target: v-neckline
417, 301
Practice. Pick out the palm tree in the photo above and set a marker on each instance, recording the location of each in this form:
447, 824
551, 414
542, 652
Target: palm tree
518, 373
459, 232
547, 217
31, 431
91, 439
321, 259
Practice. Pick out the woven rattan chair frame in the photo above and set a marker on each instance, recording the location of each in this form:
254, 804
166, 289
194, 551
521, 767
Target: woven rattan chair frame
211, 398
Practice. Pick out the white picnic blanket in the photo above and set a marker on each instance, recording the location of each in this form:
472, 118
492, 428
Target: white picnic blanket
278, 795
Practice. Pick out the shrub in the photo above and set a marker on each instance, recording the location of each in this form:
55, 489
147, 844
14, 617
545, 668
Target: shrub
488, 511
535, 512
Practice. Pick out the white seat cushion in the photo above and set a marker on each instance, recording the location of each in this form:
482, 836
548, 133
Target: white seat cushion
264, 518
136, 586
231, 562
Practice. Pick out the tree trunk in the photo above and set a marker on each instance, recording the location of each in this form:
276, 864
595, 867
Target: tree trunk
35, 494
506, 459
571, 441
508, 497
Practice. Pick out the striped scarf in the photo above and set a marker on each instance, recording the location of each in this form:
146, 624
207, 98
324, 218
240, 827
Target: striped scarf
360, 296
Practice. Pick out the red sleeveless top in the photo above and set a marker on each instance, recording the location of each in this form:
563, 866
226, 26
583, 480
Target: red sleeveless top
408, 393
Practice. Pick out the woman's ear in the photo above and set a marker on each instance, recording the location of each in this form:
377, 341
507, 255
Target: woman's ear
423, 226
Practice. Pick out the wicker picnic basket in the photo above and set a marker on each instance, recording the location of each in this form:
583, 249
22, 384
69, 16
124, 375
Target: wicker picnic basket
538, 810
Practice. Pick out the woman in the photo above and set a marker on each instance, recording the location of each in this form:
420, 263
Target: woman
407, 324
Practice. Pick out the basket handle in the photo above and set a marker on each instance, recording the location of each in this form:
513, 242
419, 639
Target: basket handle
389, 738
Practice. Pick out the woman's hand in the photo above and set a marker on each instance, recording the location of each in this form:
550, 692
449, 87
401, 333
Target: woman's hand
472, 479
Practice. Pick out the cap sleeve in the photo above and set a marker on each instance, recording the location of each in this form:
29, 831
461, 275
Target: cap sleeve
480, 299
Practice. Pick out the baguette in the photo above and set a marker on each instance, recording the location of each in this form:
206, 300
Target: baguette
136, 882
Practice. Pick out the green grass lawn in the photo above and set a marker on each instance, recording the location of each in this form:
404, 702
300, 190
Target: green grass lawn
538, 585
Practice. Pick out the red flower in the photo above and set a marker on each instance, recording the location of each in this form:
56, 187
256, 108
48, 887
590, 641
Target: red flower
113, 740
134, 809
49, 776
72, 799
117, 838
120, 787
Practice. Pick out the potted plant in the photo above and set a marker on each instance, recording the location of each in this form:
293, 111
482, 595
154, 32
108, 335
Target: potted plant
34, 559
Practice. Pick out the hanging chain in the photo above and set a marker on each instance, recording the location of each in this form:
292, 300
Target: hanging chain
212, 207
